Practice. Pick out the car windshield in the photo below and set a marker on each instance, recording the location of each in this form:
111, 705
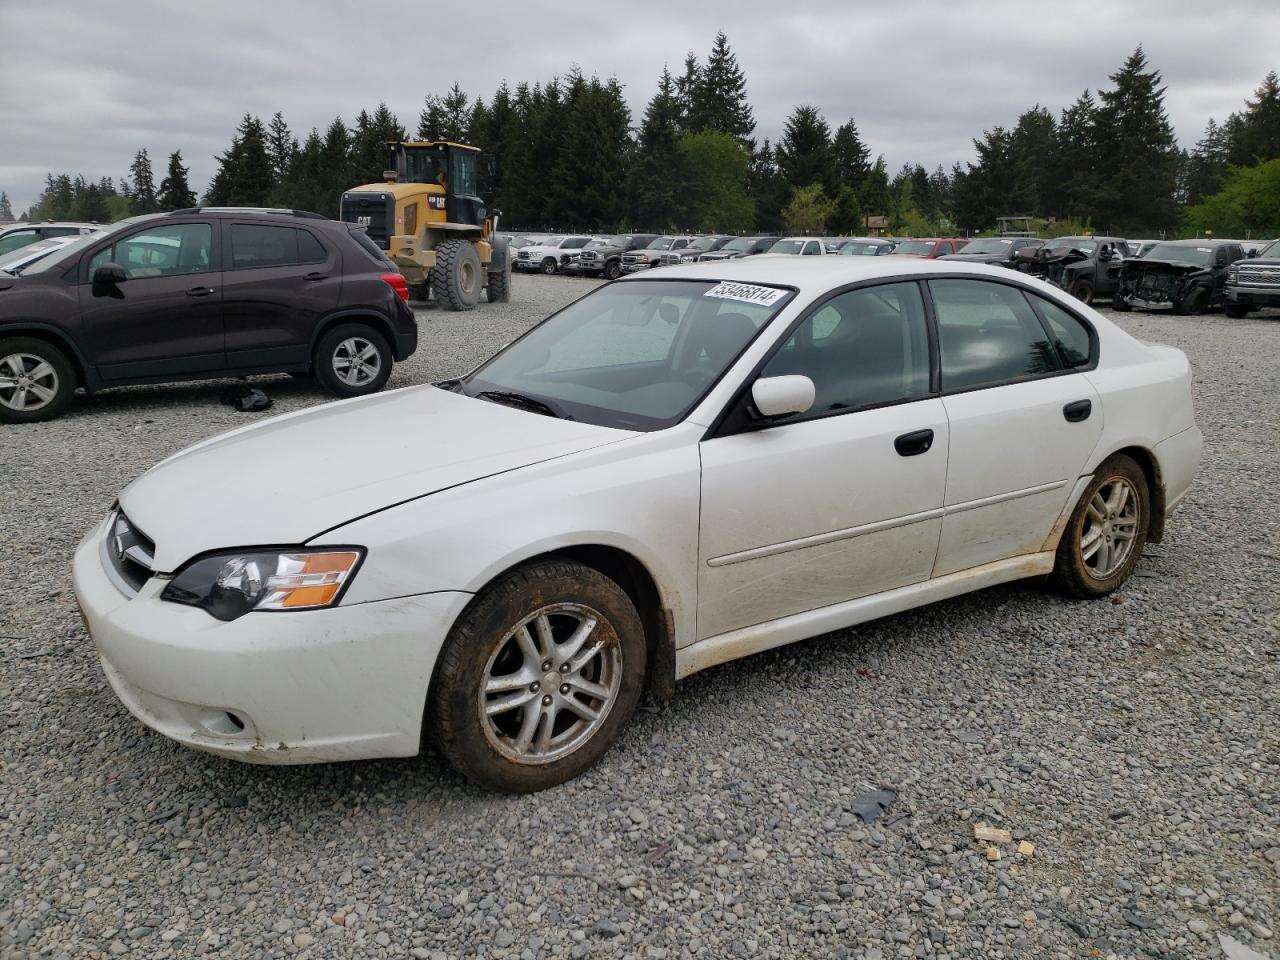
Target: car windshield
23, 257
1175, 253
1083, 244
704, 243
73, 249
519, 242
989, 245
1271, 250
920, 248
742, 243
596, 244
637, 355
661, 243
857, 249
787, 246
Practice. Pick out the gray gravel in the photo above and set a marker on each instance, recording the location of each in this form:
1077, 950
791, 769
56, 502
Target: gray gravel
1135, 743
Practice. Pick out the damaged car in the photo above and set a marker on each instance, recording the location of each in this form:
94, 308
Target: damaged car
1078, 265
997, 251
1185, 276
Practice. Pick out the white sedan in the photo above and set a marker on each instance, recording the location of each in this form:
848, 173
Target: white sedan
677, 470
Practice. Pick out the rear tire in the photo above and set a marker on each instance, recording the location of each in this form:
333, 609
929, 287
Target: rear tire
1103, 540
37, 380
499, 286
1082, 290
1194, 303
1236, 311
514, 705
352, 360
456, 276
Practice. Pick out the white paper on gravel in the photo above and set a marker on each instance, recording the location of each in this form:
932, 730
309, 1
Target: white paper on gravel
746, 293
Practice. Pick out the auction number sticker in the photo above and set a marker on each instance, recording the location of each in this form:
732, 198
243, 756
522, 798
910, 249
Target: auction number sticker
746, 293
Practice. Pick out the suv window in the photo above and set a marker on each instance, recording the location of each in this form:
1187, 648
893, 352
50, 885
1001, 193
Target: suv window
165, 251
1071, 333
575, 243
254, 245
310, 249
865, 348
988, 334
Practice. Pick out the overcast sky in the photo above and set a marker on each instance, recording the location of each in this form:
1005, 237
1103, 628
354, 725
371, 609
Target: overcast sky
83, 85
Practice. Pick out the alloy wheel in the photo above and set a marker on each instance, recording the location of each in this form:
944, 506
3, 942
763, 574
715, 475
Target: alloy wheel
27, 382
1111, 524
550, 683
356, 361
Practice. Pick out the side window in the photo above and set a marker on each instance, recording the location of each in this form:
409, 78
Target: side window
160, 251
679, 244
988, 334
1072, 335
311, 250
253, 245
811, 249
864, 348
576, 243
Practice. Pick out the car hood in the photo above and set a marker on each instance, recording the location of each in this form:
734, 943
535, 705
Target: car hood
976, 257
7, 280
290, 478
1144, 265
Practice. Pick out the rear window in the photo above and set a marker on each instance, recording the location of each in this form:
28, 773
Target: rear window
368, 246
310, 250
253, 245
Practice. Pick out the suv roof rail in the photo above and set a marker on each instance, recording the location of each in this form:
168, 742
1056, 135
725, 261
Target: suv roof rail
277, 211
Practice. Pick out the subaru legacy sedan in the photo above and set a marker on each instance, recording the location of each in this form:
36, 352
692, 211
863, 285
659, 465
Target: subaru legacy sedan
677, 470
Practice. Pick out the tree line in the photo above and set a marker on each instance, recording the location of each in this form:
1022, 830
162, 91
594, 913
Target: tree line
570, 156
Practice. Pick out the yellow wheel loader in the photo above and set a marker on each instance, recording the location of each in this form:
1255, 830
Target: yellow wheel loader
429, 218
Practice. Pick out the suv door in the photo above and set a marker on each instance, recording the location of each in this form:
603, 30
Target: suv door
278, 282
165, 320
1023, 418
844, 500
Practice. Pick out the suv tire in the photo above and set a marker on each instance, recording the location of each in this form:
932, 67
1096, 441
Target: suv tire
1194, 303
455, 278
1236, 311
613, 269
352, 360
548, 266
37, 380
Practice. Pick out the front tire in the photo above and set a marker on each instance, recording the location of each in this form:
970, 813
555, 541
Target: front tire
455, 278
1236, 311
352, 360
1103, 540
613, 270
549, 266
1082, 290
1194, 303
37, 380
538, 677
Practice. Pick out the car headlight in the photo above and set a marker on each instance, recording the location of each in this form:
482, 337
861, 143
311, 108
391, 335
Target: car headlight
1233, 273
229, 585
689, 259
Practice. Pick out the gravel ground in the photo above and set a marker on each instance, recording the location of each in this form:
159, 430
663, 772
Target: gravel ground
1135, 743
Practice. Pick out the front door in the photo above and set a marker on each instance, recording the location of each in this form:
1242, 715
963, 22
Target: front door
165, 320
278, 282
842, 501
1022, 423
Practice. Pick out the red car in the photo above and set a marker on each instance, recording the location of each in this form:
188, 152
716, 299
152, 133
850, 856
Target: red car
930, 248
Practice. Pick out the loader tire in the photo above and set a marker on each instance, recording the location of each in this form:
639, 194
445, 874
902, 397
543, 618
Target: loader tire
456, 276
499, 284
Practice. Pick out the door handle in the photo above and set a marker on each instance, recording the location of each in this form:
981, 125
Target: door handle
1077, 410
316, 275
199, 291
914, 443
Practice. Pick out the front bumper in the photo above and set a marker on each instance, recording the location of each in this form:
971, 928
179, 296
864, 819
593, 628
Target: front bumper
637, 267
343, 683
1262, 296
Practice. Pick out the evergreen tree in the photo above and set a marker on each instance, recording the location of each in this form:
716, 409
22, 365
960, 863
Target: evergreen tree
142, 195
1136, 173
718, 94
686, 86
1077, 150
767, 189
6, 208
658, 176
804, 152
808, 210
587, 181
457, 115
717, 200
175, 190
875, 197
850, 156
244, 177
336, 170
281, 146
1206, 166
368, 149
305, 187
1037, 169
431, 119
1255, 137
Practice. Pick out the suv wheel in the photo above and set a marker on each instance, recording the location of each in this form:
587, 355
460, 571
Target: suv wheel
1194, 303
352, 360
549, 266
613, 270
1236, 311
36, 380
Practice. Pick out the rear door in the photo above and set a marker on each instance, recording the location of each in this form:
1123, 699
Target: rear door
279, 281
165, 320
1022, 415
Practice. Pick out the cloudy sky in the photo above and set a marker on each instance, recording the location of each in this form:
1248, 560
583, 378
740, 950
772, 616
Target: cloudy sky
83, 85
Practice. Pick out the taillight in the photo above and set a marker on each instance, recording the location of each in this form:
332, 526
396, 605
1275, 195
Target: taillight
398, 284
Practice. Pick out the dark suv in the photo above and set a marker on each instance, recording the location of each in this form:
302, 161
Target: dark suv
200, 293
605, 259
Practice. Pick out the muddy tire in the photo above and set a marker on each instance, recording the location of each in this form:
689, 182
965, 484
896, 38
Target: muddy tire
1104, 538
37, 380
538, 677
498, 286
457, 275
1236, 311
1194, 303
1082, 290
352, 360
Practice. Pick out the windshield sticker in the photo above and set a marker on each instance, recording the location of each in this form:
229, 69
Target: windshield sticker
746, 293
1006, 241
1204, 249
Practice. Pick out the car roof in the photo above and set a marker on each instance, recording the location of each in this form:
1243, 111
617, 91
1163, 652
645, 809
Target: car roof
818, 274
1196, 243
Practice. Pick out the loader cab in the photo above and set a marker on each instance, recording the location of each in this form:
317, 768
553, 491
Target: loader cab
462, 172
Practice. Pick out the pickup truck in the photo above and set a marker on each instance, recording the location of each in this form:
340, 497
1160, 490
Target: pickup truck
1185, 276
1083, 266
800, 246
739, 248
605, 259
546, 256
694, 251
651, 255
1253, 283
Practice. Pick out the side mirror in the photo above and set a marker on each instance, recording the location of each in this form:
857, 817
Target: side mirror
109, 273
782, 396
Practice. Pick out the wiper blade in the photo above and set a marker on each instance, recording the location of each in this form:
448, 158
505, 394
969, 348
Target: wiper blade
532, 404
